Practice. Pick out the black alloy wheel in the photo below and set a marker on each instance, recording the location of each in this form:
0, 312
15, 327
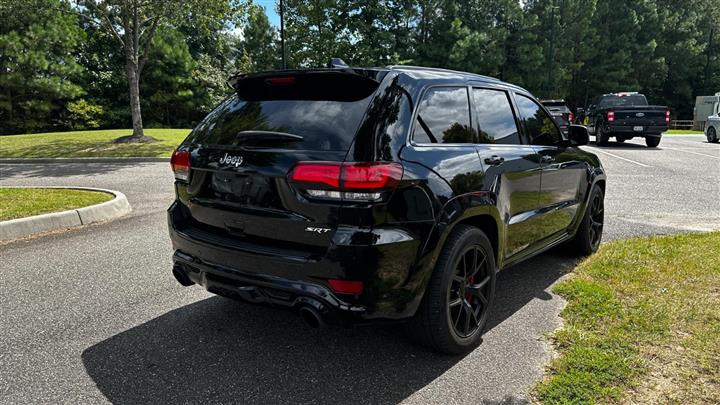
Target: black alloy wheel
597, 220
589, 234
459, 296
468, 292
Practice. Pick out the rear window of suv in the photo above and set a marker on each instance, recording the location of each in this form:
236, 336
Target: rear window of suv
326, 118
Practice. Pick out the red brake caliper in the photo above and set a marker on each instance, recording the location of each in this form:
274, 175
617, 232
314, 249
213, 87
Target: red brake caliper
468, 296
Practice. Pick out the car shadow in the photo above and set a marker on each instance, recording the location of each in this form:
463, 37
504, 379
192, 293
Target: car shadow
613, 145
221, 351
27, 170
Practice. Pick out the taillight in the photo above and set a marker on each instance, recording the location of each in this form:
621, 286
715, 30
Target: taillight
571, 118
281, 81
611, 116
667, 116
346, 181
180, 163
346, 286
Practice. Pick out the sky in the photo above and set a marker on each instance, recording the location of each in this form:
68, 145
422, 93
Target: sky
270, 10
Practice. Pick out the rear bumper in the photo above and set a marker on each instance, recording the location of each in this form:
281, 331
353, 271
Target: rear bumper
629, 130
264, 276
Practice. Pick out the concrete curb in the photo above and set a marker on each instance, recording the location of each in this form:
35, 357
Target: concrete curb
21, 227
84, 160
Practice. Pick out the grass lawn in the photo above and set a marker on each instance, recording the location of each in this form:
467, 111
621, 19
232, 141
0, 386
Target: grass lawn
25, 202
682, 132
89, 144
642, 325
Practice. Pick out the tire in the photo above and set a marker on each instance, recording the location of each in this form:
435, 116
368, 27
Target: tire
652, 141
601, 137
712, 135
443, 321
589, 235
620, 139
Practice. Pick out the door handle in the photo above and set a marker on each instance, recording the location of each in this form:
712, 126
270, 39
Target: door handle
547, 159
494, 160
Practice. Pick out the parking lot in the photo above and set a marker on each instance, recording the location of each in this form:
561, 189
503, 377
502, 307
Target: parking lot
94, 315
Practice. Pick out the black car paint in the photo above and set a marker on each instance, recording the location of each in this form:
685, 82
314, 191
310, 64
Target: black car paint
391, 246
650, 117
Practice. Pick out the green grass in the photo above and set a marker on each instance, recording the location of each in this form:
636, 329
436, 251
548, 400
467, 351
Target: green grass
89, 144
682, 132
642, 325
25, 202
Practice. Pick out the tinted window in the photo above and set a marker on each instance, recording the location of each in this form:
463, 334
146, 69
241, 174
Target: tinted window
619, 101
496, 121
323, 124
444, 117
539, 125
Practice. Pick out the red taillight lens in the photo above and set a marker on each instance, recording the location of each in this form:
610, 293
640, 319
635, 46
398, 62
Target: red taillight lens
667, 116
346, 286
611, 116
180, 163
349, 181
571, 118
318, 173
362, 176
281, 81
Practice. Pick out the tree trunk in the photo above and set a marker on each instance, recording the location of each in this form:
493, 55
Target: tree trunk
133, 76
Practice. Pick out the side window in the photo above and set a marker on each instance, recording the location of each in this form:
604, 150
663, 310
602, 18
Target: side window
496, 121
539, 125
444, 117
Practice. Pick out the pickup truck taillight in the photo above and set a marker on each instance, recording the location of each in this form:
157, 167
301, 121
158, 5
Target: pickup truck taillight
667, 116
346, 181
611, 116
180, 163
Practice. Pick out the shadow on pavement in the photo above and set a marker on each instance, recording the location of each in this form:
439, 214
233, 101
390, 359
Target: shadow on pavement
218, 350
26, 170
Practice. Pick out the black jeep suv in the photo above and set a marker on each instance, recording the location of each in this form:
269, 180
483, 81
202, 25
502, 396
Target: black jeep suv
385, 194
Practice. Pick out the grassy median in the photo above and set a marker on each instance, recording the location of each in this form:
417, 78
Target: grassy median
642, 325
25, 202
90, 144
682, 132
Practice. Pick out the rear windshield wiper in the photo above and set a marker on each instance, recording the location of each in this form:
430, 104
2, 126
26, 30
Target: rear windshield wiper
267, 136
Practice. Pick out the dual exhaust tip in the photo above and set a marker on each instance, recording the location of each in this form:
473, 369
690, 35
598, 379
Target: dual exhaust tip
309, 312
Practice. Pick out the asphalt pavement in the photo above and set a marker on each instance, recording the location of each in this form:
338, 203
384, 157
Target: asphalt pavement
94, 315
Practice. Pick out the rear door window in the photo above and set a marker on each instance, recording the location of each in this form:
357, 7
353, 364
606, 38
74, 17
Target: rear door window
444, 117
495, 117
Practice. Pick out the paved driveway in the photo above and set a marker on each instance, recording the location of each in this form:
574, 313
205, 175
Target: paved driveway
94, 315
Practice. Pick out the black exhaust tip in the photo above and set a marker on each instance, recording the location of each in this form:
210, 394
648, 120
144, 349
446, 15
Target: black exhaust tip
181, 276
311, 317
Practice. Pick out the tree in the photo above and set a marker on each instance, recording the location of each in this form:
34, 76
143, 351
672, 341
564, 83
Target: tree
134, 23
258, 43
39, 72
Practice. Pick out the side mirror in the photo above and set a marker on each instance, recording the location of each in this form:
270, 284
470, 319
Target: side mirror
578, 135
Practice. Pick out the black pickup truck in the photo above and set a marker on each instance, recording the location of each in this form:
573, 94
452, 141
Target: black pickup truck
626, 116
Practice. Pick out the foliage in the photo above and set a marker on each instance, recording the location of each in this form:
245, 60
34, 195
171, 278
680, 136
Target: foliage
572, 49
40, 71
25, 202
641, 325
90, 144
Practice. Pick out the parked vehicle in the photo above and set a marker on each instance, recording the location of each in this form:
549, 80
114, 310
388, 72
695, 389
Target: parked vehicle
625, 116
561, 113
712, 125
705, 106
383, 194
